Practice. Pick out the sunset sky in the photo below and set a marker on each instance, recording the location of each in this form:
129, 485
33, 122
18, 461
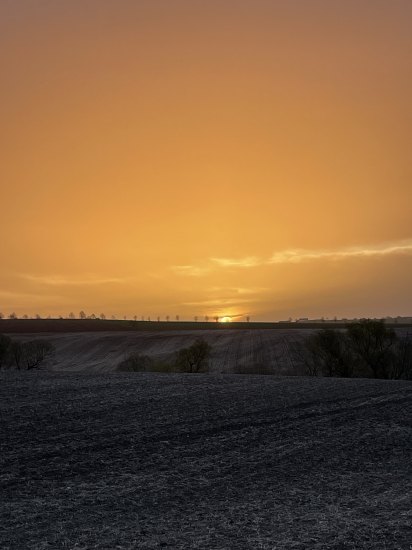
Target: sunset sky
219, 157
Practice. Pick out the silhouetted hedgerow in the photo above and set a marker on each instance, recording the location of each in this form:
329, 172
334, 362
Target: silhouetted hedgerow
24, 355
191, 359
367, 348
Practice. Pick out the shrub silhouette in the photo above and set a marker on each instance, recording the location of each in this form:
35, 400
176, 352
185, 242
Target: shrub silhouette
194, 358
373, 344
5, 343
136, 363
29, 355
35, 352
402, 360
367, 347
328, 352
16, 353
324, 352
191, 359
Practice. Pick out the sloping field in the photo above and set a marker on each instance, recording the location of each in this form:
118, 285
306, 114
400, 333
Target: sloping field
232, 350
97, 325
122, 461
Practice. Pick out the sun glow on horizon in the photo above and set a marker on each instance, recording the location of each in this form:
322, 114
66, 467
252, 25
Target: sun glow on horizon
225, 319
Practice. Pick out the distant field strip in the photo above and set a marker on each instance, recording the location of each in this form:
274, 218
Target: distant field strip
268, 351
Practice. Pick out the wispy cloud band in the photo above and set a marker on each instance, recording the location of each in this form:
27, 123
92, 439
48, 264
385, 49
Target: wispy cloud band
58, 280
249, 261
190, 270
298, 255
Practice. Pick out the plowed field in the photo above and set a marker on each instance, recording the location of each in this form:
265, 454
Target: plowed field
126, 461
239, 351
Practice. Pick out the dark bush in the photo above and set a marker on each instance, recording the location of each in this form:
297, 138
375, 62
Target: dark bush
367, 348
372, 343
35, 352
194, 358
191, 359
402, 360
326, 352
16, 353
5, 343
136, 363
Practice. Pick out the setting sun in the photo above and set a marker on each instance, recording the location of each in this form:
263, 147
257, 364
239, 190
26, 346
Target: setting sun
226, 320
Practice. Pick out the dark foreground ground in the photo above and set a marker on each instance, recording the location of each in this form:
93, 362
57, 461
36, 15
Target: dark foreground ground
126, 461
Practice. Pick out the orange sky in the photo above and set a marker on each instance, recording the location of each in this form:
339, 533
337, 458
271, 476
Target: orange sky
163, 157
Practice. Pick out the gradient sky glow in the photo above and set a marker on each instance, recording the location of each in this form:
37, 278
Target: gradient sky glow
228, 157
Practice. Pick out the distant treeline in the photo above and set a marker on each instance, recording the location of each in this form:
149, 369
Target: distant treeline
23, 325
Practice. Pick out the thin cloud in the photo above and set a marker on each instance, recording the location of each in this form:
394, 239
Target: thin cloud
57, 280
227, 302
190, 270
300, 255
249, 261
239, 290
295, 256
253, 290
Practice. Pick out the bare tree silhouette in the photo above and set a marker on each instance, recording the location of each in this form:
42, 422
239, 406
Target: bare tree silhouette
193, 358
16, 351
35, 352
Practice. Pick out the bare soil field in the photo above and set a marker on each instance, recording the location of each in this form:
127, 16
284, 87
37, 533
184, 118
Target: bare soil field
236, 350
266, 351
96, 325
122, 461
99, 346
